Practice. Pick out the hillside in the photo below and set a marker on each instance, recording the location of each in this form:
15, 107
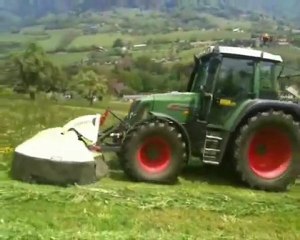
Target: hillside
37, 8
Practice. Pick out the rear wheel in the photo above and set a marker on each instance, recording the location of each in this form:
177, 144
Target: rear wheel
153, 151
266, 153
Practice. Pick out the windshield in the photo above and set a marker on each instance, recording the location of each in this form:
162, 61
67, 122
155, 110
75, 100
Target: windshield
201, 76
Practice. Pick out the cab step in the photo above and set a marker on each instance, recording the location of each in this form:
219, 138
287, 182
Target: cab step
212, 148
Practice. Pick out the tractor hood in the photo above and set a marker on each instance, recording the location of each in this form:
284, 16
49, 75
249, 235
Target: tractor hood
184, 98
176, 105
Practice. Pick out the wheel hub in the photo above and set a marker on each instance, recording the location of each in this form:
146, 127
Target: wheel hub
261, 149
270, 153
154, 155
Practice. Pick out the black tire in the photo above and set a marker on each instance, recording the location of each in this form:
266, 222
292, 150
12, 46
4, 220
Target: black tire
227, 168
276, 169
119, 156
136, 162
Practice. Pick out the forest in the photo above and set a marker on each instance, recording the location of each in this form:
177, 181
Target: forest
38, 8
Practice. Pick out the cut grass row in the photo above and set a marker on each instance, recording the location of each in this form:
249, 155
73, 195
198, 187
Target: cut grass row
114, 209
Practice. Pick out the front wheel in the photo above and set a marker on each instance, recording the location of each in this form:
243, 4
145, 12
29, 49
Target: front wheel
267, 151
153, 151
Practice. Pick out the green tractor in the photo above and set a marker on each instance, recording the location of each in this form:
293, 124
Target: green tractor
230, 115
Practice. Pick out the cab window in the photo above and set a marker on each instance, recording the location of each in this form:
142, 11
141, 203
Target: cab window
269, 87
202, 74
235, 78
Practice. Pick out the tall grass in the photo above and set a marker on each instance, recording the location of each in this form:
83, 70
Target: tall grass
22, 118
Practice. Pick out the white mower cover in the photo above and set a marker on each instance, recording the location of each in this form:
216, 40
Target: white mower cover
62, 144
58, 155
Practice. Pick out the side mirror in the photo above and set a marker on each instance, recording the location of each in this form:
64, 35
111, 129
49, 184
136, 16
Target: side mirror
214, 64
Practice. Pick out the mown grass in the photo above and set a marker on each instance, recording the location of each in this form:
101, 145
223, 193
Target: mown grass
104, 39
55, 36
20, 38
49, 44
203, 205
66, 59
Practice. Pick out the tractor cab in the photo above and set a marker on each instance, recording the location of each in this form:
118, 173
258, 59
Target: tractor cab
226, 77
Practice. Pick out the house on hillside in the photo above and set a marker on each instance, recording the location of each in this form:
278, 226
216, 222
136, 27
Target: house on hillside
99, 48
124, 63
138, 46
238, 30
91, 29
296, 31
283, 41
202, 43
119, 88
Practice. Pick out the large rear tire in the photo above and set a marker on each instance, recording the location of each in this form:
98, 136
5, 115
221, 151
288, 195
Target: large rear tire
153, 151
267, 151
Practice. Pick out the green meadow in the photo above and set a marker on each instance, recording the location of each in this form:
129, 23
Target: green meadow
203, 205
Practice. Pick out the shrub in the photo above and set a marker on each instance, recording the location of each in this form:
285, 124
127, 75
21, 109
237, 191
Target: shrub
118, 43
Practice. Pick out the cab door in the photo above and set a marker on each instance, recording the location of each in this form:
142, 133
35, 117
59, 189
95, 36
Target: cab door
234, 85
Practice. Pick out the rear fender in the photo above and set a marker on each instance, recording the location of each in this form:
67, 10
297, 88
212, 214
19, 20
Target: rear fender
254, 107
180, 128
262, 106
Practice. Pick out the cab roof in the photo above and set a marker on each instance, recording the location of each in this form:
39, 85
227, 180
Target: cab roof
248, 52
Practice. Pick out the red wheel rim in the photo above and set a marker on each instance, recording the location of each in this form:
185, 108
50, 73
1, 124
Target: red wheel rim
270, 153
154, 155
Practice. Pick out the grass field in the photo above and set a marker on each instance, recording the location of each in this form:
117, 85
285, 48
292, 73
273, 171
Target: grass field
107, 39
289, 53
20, 38
66, 59
203, 205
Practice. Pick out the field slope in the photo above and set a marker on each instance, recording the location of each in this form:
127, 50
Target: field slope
200, 206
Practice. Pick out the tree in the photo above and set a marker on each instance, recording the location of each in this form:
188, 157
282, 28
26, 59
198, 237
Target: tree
131, 79
118, 43
145, 63
35, 70
89, 84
